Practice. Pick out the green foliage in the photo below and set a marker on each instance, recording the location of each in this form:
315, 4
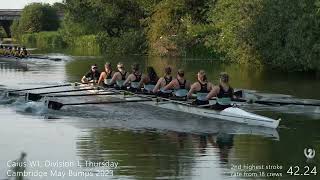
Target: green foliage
15, 31
112, 17
164, 25
43, 40
283, 34
87, 44
230, 19
177, 26
130, 42
2, 33
286, 34
36, 17
59, 7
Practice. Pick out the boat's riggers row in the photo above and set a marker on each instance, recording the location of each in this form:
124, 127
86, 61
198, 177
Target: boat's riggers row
57, 105
231, 114
239, 93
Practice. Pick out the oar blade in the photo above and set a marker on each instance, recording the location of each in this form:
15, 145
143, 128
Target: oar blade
55, 105
13, 94
33, 97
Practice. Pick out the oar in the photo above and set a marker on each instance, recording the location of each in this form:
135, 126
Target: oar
283, 103
80, 95
38, 96
57, 105
44, 87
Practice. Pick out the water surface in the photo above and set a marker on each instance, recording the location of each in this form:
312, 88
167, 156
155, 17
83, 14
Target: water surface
151, 143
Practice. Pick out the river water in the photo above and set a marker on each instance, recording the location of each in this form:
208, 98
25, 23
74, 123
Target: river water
127, 141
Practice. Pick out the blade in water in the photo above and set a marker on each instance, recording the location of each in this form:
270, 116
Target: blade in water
54, 105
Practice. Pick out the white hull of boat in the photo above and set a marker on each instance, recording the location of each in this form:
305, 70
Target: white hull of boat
233, 114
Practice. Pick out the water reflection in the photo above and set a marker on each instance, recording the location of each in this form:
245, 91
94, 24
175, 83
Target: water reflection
147, 154
17, 168
17, 66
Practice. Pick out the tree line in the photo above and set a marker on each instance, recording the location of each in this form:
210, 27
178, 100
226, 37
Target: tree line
283, 34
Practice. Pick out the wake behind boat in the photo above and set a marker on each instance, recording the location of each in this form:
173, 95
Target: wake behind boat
39, 57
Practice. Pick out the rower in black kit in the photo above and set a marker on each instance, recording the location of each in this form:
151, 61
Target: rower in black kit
91, 76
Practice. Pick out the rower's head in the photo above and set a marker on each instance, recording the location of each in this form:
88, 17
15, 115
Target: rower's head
224, 77
107, 66
120, 66
24, 48
135, 67
94, 68
180, 73
167, 70
202, 75
1, 47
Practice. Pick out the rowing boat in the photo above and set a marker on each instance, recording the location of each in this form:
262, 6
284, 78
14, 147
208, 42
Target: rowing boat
234, 114
30, 57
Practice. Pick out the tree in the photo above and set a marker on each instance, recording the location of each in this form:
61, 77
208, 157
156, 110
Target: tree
36, 17
111, 16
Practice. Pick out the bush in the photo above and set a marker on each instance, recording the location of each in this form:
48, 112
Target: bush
86, 44
131, 42
2, 33
35, 17
43, 40
282, 34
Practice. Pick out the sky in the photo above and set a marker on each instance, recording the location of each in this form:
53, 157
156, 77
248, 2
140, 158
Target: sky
19, 4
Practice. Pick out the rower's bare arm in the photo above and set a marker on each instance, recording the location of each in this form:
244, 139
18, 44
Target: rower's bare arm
171, 85
215, 90
144, 80
128, 80
210, 86
157, 87
193, 88
101, 78
114, 78
84, 79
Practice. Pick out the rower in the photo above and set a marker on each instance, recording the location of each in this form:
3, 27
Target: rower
13, 51
24, 52
106, 76
180, 85
9, 51
202, 87
17, 52
134, 79
162, 82
223, 92
119, 77
150, 80
1, 50
91, 76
